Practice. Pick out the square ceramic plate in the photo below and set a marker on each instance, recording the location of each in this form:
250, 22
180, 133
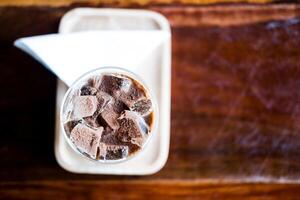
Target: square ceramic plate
156, 72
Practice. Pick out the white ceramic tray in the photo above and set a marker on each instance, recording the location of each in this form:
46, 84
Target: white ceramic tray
156, 72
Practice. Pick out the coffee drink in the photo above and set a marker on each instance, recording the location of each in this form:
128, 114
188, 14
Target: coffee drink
108, 116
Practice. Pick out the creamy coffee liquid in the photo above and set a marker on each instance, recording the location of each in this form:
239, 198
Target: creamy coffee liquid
109, 117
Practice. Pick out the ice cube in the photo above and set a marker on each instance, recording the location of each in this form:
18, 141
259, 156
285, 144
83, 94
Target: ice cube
86, 139
109, 109
112, 152
109, 117
109, 136
103, 100
85, 106
87, 90
113, 83
130, 97
119, 106
143, 106
92, 121
132, 128
95, 81
68, 126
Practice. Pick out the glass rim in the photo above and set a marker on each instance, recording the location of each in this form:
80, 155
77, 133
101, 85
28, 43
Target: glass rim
111, 70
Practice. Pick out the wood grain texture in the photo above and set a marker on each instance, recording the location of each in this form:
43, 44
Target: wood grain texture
235, 108
146, 190
222, 16
123, 3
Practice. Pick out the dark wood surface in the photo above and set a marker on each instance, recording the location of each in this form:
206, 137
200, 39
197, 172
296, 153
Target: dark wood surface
147, 190
122, 3
235, 109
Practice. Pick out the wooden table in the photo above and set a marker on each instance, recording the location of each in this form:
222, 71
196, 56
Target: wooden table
235, 121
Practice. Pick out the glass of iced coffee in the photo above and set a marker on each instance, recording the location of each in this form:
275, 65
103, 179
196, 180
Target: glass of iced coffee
108, 115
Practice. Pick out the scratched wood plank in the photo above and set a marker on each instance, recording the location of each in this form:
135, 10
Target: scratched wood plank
235, 97
123, 3
145, 190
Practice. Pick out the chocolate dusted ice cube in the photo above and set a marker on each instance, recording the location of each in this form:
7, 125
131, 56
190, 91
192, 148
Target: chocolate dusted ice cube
109, 117
85, 106
113, 152
130, 97
87, 90
111, 112
113, 83
92, 121
132, 128
103, 100
86, 139
143, 106
119, 106
109, 136
69, 125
